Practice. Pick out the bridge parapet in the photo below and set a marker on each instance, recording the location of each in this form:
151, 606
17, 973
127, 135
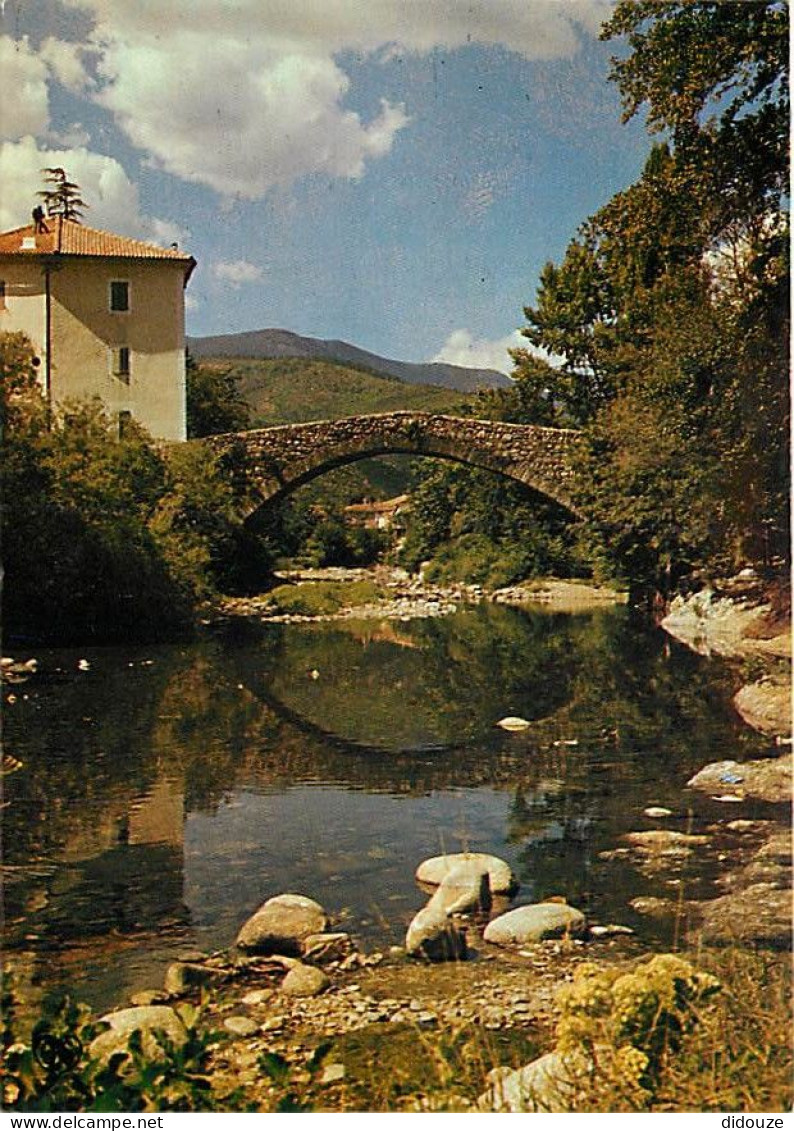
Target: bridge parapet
279, 459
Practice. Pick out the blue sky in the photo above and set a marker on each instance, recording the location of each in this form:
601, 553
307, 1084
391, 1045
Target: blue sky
393, 173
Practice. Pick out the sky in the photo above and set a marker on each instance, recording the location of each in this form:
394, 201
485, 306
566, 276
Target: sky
394, 173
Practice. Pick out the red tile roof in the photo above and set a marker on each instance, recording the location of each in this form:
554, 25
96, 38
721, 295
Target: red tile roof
67, 237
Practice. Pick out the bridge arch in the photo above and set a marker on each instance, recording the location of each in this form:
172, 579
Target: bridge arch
273, 462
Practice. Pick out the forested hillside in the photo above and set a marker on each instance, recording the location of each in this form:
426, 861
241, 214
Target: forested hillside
291, 390
282, 344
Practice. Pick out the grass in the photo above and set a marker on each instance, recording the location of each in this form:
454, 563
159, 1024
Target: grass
322, 598
739, 1058
413, 1069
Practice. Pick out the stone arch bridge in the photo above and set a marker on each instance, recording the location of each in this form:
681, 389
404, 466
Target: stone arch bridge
272, 462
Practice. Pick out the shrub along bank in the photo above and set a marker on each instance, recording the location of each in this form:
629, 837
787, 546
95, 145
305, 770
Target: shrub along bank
104, 535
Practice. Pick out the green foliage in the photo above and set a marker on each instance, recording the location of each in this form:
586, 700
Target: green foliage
715, 75
214, 401
475, 526
293, 390
49, 1066
321, 598
669, 312
333, 542
103, 534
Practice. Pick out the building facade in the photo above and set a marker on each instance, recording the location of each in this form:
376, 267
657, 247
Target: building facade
106, 316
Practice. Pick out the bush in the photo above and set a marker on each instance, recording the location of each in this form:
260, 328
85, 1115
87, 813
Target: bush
477, 527
48, 1066
668, 1037
104, 535
322, 598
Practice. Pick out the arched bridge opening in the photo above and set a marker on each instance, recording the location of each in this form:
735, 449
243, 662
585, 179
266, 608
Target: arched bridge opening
270, 463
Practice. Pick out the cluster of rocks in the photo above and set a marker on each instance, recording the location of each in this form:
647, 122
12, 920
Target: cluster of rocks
562, 594
404, 598
409, 596
291, 979
754, 857
733, 623
466, 883
286, 958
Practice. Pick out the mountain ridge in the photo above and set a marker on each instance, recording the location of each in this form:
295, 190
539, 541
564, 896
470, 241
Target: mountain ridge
271, 344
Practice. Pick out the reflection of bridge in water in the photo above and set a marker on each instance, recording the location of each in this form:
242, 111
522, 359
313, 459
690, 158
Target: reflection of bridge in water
443, 764
272, 462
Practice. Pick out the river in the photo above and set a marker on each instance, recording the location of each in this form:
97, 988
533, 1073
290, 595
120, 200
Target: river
165, 792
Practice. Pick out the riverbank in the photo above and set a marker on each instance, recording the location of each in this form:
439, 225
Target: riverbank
375, 1029
750, 624
520, 989
389, 593
327, 1027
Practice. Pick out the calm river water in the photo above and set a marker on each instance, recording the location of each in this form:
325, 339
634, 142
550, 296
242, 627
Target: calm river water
166, 792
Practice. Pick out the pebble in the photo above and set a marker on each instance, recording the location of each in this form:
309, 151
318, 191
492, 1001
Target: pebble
273, 1023
607, 930
513, 722
241, 1026
333, 1073
257, 997
657, 811
426, 1019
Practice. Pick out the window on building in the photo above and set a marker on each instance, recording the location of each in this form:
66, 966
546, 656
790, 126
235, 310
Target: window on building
125, 417
120, 363
119, 295
2, 294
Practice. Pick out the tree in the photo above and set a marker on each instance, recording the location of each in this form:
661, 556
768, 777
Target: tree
104, 535
670, 308
714, 75
214, 402
62, 198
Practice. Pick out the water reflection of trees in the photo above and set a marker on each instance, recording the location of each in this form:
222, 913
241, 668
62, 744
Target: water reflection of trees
459, 676
231, 712
114, 759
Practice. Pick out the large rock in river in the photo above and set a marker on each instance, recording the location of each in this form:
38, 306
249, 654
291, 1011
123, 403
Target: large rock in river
533, 923
500, 877
768, 779
464, 888
759, 914
433, 935
281, 925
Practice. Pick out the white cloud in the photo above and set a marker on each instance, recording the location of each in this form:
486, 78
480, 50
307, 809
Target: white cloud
461, 348
24, 105
65, 60
539, 29
237, 116
243, 96
237, 272
112, 196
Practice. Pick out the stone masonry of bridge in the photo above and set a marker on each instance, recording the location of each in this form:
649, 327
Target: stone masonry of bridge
274, 461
